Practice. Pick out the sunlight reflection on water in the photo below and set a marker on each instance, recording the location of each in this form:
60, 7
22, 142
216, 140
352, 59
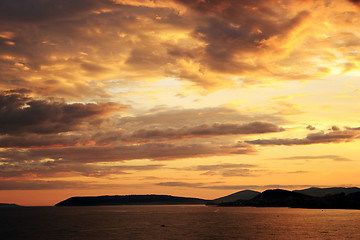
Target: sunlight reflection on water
177, 222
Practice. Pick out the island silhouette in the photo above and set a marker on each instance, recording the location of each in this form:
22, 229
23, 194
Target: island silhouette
150, 199
320, 198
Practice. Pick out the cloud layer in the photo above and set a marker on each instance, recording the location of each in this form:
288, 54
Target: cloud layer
212, 44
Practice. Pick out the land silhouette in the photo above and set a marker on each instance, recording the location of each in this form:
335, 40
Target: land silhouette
151, 199
6, 205
331, 198
322, 198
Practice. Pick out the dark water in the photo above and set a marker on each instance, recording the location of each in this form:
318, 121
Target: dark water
177, 222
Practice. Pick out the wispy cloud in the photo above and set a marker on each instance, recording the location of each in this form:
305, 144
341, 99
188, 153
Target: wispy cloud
328, 157
232, 187
313, 138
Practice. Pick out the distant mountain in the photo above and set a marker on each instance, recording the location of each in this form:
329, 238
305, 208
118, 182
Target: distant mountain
322, 192
241, 195
3, 205
130, 200
273, 198
279, 197
284, 198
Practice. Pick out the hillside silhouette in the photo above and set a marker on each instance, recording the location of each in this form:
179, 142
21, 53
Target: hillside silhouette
129, 200
6, 205
326, 198
241, 195
284, 198
322, 192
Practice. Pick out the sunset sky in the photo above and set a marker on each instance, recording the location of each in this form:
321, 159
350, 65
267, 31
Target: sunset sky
197, 98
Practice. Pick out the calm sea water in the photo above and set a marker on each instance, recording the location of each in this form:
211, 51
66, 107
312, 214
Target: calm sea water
177, 222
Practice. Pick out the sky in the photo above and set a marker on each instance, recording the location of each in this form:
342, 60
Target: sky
194, 98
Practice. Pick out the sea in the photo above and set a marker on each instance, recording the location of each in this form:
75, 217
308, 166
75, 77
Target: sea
190, 222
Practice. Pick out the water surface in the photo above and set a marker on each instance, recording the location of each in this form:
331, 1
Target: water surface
177, 222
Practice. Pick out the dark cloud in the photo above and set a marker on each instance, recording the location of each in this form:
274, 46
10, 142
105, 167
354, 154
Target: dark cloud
314, 138
47, 10
154, 151
357, 2
93, 68
353, 128
335, 128
311, 128
49, 123
56, 184
49, 168
40, 185
206, 130
22, 114
42, 140
233, 28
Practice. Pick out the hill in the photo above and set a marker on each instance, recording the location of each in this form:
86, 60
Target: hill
322, 192
130, 200
241, 195
3, 205
284, 198
279, 198
274, 198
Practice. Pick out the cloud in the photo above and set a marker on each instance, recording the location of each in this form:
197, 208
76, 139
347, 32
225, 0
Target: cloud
180, 184
21, 114
232, 187
31, 123
297, 172
357, 2
240, 172
314, 138
222, 166
57, 184
215, 129
31, 140
51, 169
331, 157
210, 115
212, 44
40, 185
183, 124
234, 30
259, 187
226, 169
41, 11
311, 128
153, 151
